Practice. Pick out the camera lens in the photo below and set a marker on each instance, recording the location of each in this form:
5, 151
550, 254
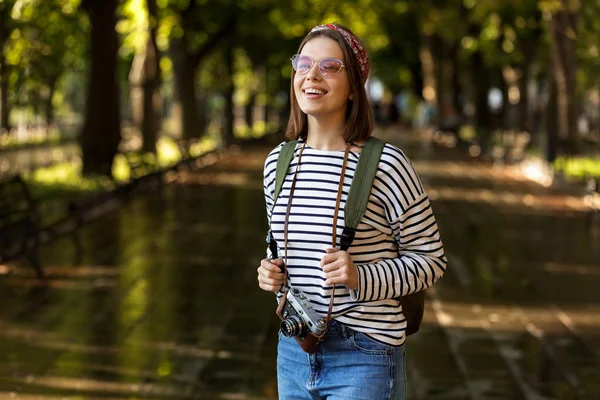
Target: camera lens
292, 326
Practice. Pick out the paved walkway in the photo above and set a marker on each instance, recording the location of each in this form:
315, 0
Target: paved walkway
163, 304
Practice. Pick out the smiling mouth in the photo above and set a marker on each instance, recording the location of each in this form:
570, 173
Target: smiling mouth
314, 91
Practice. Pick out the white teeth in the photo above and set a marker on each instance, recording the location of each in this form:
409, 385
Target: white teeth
313, 91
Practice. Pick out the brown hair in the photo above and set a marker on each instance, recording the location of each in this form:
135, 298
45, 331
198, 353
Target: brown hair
359, 120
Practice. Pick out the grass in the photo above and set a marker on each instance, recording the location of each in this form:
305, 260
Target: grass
66, 180
578, 168
258, 130
11, 142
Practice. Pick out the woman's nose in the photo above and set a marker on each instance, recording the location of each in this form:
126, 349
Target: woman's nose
314, 73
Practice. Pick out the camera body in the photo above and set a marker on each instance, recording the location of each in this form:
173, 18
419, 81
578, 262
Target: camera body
300, 320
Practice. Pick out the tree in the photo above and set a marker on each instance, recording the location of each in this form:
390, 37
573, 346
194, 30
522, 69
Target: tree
562, 19
228, 125
152, 82
140, 24
197, 35
6, 27
101, 132
398, 64
49, 43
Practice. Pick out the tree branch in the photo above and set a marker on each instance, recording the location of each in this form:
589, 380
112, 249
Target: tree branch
86, 5
214, 40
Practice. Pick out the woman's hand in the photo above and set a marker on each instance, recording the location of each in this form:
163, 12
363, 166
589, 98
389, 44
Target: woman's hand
339, 268
270, 277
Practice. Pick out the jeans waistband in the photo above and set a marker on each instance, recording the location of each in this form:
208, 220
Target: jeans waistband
338, 327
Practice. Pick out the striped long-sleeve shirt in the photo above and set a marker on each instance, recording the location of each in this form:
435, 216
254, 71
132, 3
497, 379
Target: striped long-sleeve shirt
397, 248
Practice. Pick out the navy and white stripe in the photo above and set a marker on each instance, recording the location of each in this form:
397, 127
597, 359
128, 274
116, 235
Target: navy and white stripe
397, 247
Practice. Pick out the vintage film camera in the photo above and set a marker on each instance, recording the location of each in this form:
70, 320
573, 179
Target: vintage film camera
300, 320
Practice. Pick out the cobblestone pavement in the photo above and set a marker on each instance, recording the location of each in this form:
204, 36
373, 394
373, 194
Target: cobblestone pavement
163, 303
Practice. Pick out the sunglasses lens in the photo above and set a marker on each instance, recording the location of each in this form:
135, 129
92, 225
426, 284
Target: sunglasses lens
302, 64
330, 66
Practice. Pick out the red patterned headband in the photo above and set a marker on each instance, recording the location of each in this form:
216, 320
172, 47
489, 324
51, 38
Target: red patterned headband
359, 51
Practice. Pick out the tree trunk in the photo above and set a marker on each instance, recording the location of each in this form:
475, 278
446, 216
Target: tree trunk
416, 70
267, 110
563, 29
437, 51
48, 107
228, 118
552, 120
528, 49
152, 81
185, 107
249, 110
4, 105
503, 113
523, 106
455, 77
481, 85
101, 132
5, 30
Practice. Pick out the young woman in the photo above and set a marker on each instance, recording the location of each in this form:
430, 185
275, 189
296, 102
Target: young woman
397, 249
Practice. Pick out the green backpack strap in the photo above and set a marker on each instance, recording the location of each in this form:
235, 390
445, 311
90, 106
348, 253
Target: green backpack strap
283, 163
413, 305
360, 190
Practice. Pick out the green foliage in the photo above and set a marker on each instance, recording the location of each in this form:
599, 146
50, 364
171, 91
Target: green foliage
47, 41
578, 168
588, 45
64, 180
133, 26
13, 143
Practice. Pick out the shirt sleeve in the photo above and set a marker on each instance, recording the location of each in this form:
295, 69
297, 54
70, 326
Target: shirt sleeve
421, 260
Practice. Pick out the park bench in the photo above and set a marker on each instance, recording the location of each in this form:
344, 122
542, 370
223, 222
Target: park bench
140, 164
144, 169
184, 149
19, 230
27, 223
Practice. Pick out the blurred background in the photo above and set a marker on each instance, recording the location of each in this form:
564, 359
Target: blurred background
132, 139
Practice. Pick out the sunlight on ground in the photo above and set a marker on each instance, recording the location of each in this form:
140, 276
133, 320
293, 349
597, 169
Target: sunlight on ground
51, 340
507, 198
506, 318
530, 172
538, 172
67, 176
94, 385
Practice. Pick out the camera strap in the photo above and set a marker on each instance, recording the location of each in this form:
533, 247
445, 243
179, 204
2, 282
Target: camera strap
334, 229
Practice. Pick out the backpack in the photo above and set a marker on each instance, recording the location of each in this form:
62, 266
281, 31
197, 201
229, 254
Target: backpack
356, 205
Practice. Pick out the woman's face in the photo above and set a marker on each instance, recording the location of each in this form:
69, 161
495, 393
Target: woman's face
326, 97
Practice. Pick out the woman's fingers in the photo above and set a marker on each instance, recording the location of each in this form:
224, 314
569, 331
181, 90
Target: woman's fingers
335, 278
270, 270
338, 268
268, 282
272, 265
270, 277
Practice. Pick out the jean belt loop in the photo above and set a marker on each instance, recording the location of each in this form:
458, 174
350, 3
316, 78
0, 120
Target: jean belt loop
345, 331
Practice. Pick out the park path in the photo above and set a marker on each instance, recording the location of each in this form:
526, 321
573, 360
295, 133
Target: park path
163, 303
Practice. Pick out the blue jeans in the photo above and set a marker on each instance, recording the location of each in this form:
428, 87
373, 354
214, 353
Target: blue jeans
346, 365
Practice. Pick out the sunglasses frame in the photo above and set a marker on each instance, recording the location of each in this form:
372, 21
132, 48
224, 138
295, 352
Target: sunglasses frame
318, 63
